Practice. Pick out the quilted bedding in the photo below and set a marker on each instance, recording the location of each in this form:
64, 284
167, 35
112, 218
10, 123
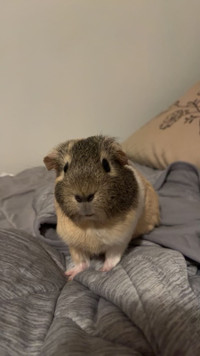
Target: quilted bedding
149, 304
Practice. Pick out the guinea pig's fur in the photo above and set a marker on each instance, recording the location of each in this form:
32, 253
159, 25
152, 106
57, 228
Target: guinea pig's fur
101, 200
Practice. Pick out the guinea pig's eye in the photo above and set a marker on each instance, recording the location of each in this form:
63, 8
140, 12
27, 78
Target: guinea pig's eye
65, 167
105, 165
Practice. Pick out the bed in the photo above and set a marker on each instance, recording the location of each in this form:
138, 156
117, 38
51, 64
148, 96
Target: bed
149, 304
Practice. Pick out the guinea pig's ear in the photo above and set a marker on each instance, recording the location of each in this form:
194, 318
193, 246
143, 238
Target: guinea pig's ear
120, 154
51, 160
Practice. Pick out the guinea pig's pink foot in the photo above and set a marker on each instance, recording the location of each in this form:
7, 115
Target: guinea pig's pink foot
71, 273
109, 264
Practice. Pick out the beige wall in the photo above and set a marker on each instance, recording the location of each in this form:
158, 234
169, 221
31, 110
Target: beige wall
73, 68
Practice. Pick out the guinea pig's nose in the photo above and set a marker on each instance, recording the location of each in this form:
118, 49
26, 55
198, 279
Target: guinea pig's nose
81, 199
78, 198
90, 197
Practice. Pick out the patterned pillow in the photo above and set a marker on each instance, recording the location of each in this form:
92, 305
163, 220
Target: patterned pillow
174, 135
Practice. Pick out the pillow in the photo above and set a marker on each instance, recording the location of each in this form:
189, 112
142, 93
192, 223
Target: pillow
173, 135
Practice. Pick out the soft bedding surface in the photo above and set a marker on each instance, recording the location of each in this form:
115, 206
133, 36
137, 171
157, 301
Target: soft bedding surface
149, 304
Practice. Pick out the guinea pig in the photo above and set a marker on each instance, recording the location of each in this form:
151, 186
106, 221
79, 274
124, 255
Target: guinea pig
102, 201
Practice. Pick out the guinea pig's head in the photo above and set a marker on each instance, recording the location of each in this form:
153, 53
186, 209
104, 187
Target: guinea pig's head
94, 183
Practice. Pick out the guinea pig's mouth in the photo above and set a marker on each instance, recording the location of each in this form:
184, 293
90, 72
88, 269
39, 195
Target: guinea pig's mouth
87, 215
85, 218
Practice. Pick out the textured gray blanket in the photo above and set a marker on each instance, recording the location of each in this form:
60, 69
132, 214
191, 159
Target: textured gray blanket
149, 304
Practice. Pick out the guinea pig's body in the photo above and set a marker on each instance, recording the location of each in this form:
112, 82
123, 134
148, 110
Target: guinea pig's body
101, 201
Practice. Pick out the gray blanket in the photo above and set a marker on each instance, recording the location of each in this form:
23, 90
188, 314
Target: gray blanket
149, 304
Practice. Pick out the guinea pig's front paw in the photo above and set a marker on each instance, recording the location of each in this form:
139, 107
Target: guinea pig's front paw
110, 263
71, 273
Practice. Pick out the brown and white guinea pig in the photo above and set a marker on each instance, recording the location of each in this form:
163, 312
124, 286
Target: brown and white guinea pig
101, 200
